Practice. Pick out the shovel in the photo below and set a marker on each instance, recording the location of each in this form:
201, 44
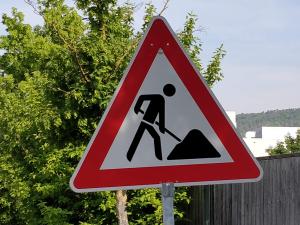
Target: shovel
194, 146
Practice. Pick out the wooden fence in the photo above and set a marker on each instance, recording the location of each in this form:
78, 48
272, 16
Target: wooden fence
275, 200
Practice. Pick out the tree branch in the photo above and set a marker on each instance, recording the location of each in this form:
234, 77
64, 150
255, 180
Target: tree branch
164, 7
71, 48
119, 62
138, 6
75, 54
33, 6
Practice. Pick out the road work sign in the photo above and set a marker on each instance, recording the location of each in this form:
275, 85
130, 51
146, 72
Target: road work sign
163, 125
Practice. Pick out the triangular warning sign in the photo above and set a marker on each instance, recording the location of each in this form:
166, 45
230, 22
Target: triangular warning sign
163, 125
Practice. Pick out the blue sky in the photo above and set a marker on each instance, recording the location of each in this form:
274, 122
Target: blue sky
262, 39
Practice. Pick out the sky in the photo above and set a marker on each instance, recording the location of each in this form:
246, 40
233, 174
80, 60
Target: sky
261, 37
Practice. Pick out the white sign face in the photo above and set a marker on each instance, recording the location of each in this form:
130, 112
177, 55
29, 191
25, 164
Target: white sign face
182, 115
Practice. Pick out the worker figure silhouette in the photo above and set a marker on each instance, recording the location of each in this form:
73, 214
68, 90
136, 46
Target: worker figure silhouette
156, 107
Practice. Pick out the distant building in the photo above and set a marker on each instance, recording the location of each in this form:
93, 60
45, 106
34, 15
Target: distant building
267, 137
263, 138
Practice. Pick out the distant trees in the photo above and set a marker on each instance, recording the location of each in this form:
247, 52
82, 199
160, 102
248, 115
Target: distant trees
288, 146
280, 118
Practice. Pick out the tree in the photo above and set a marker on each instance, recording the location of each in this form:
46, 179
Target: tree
288, 146
55, 82
280, 118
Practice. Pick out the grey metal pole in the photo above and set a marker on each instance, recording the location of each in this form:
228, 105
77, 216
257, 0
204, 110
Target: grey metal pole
167, 192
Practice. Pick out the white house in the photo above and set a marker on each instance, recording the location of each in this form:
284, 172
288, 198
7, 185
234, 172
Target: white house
267, 137
264, 138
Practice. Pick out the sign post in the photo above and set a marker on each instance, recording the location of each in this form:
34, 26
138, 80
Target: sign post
167, 193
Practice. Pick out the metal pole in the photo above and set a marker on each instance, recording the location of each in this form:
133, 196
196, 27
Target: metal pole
167, 192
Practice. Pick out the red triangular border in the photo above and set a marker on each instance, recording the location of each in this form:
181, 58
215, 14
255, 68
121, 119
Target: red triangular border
88, 176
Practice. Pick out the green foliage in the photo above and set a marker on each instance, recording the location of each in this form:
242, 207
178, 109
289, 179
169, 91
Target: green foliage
55, 82
145, 206
276, 118
212, 73
288, 146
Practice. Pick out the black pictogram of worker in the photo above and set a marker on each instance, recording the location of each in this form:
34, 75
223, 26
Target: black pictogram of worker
155, 108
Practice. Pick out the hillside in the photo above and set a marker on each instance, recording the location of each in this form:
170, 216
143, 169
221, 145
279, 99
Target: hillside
275, 118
